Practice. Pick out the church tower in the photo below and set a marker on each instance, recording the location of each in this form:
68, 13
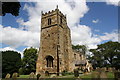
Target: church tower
55, 53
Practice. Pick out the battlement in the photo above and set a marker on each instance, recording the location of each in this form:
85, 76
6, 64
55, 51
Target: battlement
56, 11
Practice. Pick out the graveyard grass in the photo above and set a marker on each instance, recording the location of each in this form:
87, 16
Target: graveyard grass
24, 76
109, 74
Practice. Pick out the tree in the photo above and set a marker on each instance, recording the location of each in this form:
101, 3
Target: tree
29, 60
107, 55
80, 48
11, 62
10, 7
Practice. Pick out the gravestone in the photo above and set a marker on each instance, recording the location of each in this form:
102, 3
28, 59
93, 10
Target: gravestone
53, 76
104, 69
14, 76
32, 75
7, 76
110, 69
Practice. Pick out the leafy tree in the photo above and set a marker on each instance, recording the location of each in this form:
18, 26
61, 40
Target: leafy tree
11, 62
106, 55
80, 48
29, 61
10, 7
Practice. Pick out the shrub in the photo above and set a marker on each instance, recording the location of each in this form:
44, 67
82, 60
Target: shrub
31, 75
76, 72
38, 76
64, 73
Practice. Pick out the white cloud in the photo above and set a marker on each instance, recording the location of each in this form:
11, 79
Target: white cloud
30, 37
28, 34
16, 37
83, 35
95, 21
110, 36
73, 13
96, 30
113, 2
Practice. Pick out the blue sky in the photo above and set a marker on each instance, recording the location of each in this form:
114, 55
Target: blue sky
98, 24
106, 14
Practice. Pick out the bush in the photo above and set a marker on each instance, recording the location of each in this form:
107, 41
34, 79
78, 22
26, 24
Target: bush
38, 76
47, 73
64, 73
76, 72
32, 75
11, 62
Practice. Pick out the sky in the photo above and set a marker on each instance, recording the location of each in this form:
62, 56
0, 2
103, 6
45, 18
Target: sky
91, 23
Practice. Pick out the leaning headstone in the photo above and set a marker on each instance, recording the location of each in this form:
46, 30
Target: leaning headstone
7, 76
32, 75
53, 76
14, 76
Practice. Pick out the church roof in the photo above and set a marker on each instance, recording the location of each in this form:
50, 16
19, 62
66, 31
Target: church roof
80, 62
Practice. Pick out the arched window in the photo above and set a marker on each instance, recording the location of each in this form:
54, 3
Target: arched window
49, 60
49, 21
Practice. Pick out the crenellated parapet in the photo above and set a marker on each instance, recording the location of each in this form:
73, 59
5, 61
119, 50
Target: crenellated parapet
53, 12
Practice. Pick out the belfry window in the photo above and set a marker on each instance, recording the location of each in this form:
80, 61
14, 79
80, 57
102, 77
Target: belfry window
49, 21
49, 60
60, 20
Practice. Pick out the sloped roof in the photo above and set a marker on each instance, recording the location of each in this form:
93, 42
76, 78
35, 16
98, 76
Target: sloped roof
80, 62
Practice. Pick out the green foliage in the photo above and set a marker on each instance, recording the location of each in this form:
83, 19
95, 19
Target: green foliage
64, 73
106, 55
29, 61
38, 76
110, 75
11, 62
10, 7
76, 72
80, 48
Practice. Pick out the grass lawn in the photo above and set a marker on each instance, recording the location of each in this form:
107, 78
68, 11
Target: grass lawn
24, 76
86, 76
70, 77
109, 74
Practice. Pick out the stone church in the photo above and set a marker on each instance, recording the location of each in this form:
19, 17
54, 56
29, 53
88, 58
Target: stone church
55, 54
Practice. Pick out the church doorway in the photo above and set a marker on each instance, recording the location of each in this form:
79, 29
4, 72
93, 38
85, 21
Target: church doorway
49, 60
